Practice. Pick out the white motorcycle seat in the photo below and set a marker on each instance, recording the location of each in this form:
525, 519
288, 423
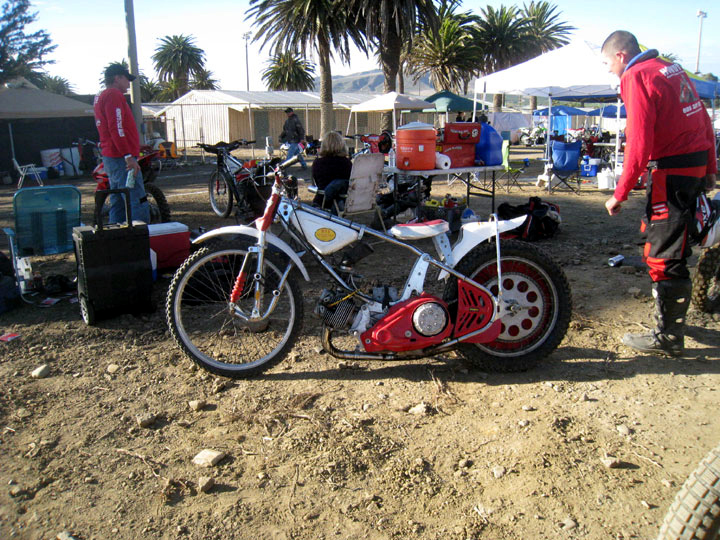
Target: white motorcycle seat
416, 231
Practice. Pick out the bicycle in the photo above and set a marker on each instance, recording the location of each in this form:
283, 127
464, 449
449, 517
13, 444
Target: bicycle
243, 184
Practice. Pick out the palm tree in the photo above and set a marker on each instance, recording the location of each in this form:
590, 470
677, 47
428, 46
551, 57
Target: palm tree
448, 52
203, 80
304, 25
544, 32
178, 58
56, 85
289, 71
149, 89
501, 35
389, 25
169, 91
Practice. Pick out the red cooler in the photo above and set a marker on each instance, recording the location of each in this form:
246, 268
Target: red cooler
461, 132
415, 147
461, 155
171, 242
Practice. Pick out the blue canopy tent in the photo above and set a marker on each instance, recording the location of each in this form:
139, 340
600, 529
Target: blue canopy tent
608, 111
559, 121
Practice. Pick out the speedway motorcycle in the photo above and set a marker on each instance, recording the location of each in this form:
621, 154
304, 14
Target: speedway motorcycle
706, 235
236, 307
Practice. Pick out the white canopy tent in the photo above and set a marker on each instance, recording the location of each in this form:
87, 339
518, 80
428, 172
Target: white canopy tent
392, 101
576, 70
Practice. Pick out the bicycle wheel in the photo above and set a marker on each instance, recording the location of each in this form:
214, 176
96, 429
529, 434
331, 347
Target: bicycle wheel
203, 324
706, 281
220, 190
537, 285
695, 512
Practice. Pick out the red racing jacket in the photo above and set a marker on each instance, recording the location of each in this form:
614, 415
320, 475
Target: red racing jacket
116, 125
665, 117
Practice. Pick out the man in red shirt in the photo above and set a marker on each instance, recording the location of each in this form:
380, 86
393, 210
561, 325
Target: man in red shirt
669, 132
120, 144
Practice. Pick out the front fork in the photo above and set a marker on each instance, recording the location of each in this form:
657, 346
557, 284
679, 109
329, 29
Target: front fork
256, 313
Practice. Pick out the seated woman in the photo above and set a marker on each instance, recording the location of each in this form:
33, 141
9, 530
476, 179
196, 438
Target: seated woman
331, 170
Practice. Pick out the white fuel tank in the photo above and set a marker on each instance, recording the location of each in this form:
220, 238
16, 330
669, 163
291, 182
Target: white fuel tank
325, 236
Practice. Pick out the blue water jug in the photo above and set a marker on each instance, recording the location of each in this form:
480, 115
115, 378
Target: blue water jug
489, 149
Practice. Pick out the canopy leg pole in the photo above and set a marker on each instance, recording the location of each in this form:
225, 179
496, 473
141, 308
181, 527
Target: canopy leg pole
617, 136
12, 143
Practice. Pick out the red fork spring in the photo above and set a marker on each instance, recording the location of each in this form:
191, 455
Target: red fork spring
238, 288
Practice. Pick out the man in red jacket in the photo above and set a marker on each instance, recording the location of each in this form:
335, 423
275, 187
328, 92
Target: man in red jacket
120, 144
669, 132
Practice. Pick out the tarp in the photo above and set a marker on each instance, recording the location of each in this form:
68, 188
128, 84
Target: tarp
446, 101
19, 103
574, 70
392, 101
560, 110
608, 111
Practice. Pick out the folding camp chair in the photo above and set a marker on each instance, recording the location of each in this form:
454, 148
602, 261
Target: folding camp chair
511, 174
362, 188
44, 220
565, 159
27, 170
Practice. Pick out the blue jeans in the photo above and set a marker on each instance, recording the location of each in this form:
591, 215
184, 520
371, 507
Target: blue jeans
332, 193
293, 151
116, 170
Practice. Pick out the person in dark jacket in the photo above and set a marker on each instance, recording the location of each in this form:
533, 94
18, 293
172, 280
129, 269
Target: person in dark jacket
331, 170
293, 133
669, 132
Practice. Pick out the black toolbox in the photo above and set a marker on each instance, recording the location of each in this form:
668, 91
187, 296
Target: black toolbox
113, 265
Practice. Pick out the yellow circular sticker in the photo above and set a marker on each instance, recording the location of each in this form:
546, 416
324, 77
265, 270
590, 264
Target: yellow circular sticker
325, 235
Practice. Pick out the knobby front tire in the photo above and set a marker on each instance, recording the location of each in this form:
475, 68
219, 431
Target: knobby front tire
201, 323
220, 191
706, 281
538, 284
695, 512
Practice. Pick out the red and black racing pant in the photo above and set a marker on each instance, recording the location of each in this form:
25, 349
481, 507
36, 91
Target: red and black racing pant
671, 196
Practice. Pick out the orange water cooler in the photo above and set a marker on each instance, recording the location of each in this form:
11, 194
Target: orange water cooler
415, 147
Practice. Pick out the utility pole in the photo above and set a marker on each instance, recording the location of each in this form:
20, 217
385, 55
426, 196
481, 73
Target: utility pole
246, 36
701, 15
135, 99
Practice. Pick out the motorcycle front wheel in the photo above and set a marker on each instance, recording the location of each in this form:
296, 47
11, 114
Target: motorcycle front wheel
203, 324
530, 280
706, 281
220, 190
695, 512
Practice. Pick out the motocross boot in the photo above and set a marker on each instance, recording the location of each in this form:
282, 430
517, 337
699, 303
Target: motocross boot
672, 298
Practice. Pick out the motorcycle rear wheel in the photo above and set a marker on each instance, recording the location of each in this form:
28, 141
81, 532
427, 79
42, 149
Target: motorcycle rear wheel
538, 284
159, 207
201, 321
221, 195
695, 512
706, 281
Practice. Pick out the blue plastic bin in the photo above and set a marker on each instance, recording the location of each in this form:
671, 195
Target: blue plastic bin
44, 219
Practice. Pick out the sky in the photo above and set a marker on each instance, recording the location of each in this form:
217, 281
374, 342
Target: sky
91, 35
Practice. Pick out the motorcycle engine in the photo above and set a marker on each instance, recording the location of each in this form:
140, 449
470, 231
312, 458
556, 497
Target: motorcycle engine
410, 325
335, 309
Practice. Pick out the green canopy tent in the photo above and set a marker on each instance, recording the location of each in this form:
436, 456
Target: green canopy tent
446, 102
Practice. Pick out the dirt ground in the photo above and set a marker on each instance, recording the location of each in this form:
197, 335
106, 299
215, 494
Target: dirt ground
315, 450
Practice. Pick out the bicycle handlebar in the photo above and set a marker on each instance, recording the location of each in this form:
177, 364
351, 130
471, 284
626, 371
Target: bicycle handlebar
223, 146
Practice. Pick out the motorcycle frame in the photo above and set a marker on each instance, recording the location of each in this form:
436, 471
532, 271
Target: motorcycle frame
280, 209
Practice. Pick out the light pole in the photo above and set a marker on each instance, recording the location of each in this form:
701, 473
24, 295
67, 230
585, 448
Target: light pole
701, 15
246, 37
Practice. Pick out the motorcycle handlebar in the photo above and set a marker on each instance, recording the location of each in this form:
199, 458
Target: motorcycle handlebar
292, 161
